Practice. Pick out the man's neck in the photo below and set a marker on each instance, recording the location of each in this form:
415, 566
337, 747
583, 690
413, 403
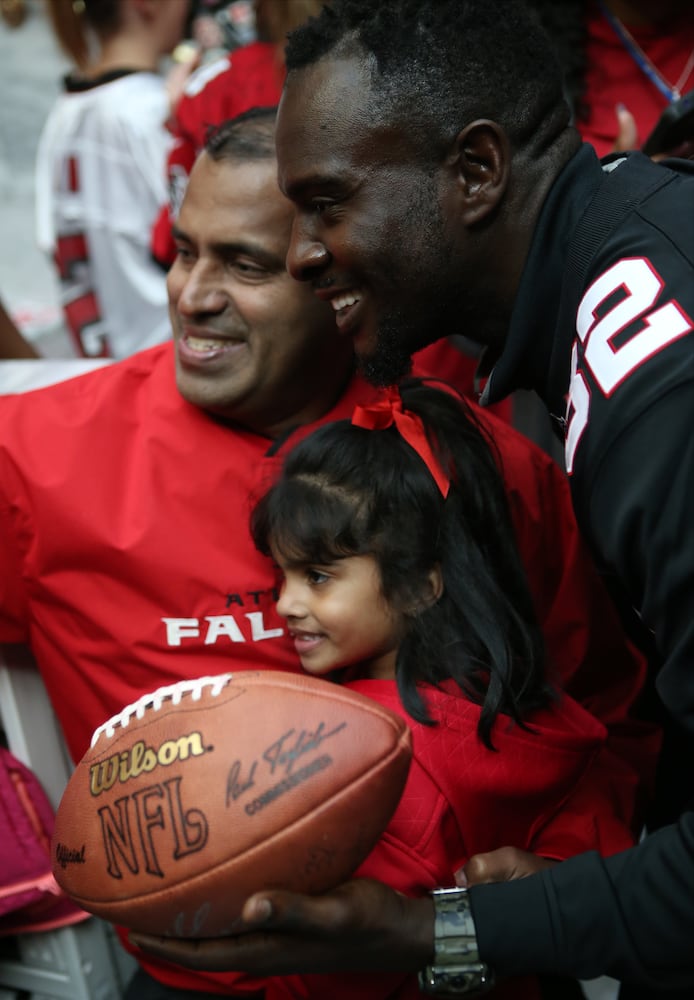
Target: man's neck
125, 52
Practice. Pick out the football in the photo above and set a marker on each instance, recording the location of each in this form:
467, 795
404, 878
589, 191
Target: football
200, 794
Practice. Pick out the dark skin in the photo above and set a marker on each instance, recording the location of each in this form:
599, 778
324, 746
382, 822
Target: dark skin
362, 926
338, 170
421, 246
13, 346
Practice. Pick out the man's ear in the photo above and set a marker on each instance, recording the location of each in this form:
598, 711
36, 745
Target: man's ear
479, 160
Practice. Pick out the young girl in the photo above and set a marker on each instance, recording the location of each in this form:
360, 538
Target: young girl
101, 169
401, 579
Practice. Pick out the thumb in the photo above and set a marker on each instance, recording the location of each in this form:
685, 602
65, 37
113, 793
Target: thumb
627, 134
280, 910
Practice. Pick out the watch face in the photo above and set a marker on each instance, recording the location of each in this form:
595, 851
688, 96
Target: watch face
456, 980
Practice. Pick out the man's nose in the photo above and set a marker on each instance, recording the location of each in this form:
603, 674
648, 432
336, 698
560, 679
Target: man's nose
307, 255
201, 292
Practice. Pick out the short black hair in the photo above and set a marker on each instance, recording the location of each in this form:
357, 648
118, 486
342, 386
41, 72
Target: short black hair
566, 23
248, 136
440, 64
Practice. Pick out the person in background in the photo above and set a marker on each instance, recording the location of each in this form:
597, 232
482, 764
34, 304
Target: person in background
126, 561
249, 76
13, 346
220, 26
13, 12
401, 579
100, 169
624, 61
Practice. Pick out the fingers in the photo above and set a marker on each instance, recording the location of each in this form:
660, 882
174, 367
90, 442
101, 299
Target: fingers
186, 59
495, 866
502, 865
353, 909
360, 926
278, 933
684, 151
210, 954
258, 911
627, 135
293, 913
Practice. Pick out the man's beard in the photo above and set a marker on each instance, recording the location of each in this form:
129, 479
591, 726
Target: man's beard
400, 336
390, 361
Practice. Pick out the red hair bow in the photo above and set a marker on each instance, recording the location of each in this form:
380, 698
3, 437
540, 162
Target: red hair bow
388, 411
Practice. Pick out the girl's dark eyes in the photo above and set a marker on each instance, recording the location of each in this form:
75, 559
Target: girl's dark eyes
316, 576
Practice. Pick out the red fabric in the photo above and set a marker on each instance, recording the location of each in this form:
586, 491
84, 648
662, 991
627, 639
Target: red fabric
614, 78
388, 411
249, 77
568, 594
462, 798
445, 359
126, 562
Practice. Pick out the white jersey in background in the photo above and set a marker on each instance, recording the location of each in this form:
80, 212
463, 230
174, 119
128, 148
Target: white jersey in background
100, 179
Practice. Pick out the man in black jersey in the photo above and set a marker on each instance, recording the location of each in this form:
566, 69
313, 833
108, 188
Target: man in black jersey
440, 189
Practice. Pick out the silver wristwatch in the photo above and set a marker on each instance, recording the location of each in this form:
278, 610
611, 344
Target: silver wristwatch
456, 969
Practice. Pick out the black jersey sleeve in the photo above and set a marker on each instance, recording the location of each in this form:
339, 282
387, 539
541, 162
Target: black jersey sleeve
630, 440
629, 916
630, 456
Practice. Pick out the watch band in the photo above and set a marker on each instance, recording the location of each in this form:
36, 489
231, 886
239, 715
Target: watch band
456, 969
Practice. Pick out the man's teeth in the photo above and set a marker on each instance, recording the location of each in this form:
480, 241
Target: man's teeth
342, 301
204, 343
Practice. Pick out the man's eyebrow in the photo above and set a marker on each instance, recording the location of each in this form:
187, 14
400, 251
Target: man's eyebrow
239, 248
248, 248
178, 234
303, 184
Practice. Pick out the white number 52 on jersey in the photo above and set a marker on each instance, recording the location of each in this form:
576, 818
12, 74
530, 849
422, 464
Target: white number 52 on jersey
611, 363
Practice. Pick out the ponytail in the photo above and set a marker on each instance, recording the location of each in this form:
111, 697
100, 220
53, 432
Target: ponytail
72, 21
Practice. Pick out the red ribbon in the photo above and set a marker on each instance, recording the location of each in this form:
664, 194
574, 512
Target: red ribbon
388, 411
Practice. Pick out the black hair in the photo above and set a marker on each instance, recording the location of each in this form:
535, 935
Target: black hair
347, 491
71, 19
440, 64
103, 16
248, 136
565, 21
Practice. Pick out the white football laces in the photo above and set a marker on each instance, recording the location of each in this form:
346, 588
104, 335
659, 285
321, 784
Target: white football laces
173, 693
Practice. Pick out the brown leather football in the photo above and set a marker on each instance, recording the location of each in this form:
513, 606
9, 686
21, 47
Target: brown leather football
206, 791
